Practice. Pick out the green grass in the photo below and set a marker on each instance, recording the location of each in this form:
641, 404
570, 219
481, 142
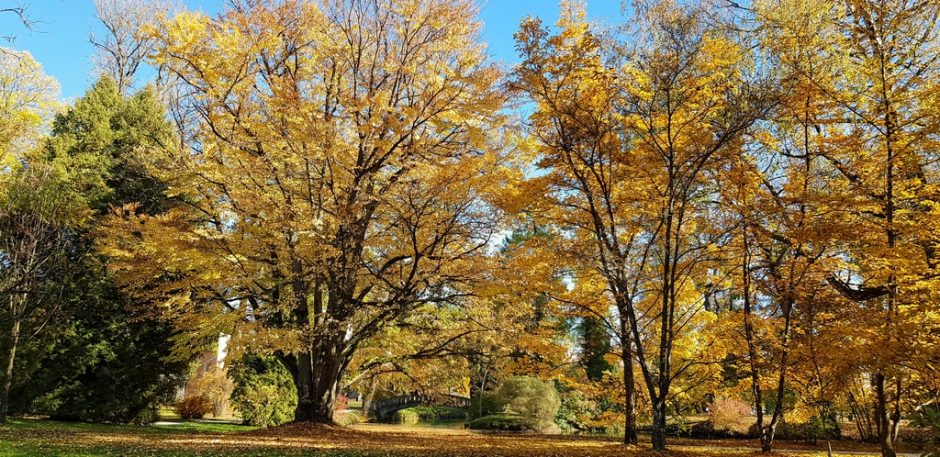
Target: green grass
31, 437
8, 450
205, 438
189, 427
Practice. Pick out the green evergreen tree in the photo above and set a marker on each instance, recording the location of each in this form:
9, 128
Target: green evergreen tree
104, 361
594, 343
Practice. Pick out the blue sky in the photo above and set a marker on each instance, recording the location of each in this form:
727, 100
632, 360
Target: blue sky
60, 41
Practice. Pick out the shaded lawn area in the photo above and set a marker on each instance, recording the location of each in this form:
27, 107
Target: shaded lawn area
49, 438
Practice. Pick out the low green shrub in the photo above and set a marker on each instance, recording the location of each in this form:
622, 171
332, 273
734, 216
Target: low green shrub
513, 423
817, 428
503, 422
616, 429
483, 405
264, 392
576, 411
419, 414
406, 416
347, 418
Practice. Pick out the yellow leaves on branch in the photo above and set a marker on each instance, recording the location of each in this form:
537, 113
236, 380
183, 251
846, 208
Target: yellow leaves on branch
348, 155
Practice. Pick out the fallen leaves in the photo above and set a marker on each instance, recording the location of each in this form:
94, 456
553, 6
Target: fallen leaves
51, 438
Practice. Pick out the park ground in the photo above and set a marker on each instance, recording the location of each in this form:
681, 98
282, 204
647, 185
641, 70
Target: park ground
33, 437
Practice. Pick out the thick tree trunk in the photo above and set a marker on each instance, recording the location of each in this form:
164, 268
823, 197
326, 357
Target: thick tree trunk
317, 375
659, 424
8, 377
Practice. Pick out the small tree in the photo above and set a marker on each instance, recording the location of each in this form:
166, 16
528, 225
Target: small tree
36, 212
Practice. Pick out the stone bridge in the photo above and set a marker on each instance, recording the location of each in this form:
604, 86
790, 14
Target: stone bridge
383, 409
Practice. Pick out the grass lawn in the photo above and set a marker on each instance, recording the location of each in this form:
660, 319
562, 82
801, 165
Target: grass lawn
204, 438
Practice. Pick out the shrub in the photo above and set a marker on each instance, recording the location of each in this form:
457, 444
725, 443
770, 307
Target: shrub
347, 418
576, 411
824, 427
616, 429
195, 407
530, 398
216, 387
106, 368
512, 423
264, 392
816, 428
503, 422
927, 431
418, 414
730, 416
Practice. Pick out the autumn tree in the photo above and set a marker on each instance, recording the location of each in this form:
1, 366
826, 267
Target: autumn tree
507, 328
35, 205
689, 98
578, 141
631, 153
338, 182
873, 65
780, 254
779, 206
28, 101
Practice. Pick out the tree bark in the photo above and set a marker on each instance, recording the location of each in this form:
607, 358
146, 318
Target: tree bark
765, 433
317, 375
771, 428
8, 378
887, 421
629, 425
659, 424
367, 398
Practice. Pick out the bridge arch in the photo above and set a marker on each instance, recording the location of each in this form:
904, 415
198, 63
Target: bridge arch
383, 409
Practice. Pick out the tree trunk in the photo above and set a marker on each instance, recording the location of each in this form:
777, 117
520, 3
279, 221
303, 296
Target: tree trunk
766, 437
317, 375
629, 425
659, 424
8, 378
367, 398
887, 424
765, 433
